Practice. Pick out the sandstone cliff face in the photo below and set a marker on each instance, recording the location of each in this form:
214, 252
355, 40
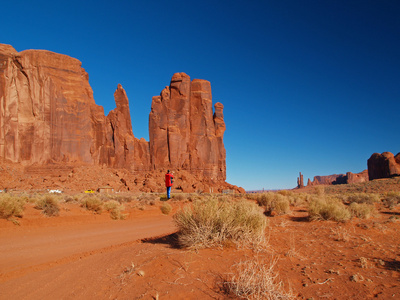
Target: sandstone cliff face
329, 179
184, 133
383, 165
357, 177
46, 108
48, 115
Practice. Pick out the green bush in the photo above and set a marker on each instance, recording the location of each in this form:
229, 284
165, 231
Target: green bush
327, 208
212, 222
361, 210
11, 206
49, 205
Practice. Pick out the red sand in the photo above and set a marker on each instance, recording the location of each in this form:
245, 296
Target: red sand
79, 255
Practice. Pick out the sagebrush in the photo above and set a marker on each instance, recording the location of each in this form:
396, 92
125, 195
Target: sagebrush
254, 279
92, 203
115, 209
11, 206
49, 205
328, 208
212, 222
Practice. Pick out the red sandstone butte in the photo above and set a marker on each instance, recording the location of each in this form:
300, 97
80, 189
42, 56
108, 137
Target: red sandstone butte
184, 133
48, 115
383, 165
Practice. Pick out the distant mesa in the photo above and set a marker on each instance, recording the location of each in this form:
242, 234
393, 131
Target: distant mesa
48, 116
385, 165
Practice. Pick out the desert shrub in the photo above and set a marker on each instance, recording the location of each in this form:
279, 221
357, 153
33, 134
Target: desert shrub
92, 203
274, 202
368, 198
115, 209
265, 199
49, 205
327, 208
147, 197
286, 193
299, 199
192, 197
280, 205
179, 197
123, 198
212, 222
11, 206
68, 199
319, 190
163, 198
166, 208
253, 279
361, 210
391, 199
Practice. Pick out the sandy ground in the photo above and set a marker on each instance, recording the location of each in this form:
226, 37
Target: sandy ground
80, 255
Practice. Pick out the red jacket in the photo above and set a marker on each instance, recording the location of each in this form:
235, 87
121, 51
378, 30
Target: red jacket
168, 179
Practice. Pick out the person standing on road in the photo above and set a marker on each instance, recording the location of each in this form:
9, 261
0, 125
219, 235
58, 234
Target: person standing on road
168, 183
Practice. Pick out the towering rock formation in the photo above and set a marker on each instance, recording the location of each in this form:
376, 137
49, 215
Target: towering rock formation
383, 165
300, 181
48, 115
184, 133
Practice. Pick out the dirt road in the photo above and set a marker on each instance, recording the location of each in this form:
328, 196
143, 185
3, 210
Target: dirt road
32, 251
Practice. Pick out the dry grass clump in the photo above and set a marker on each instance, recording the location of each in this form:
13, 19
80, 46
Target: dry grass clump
92, 203
166, 208
368, 198
11, 206
193, 197
115, 209
253, 279
49, 205
391, 199
328, 208
279, 203
362, 210
146, 198
213, 222
179, 197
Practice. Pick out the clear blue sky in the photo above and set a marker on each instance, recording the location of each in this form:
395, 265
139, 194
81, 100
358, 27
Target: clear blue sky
310, 85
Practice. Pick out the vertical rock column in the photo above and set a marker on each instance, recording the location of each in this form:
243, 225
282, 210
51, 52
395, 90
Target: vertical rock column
300, 181
220, 127
204, 149
158, 130
178, 121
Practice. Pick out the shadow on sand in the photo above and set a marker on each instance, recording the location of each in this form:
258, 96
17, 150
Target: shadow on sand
170, 240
